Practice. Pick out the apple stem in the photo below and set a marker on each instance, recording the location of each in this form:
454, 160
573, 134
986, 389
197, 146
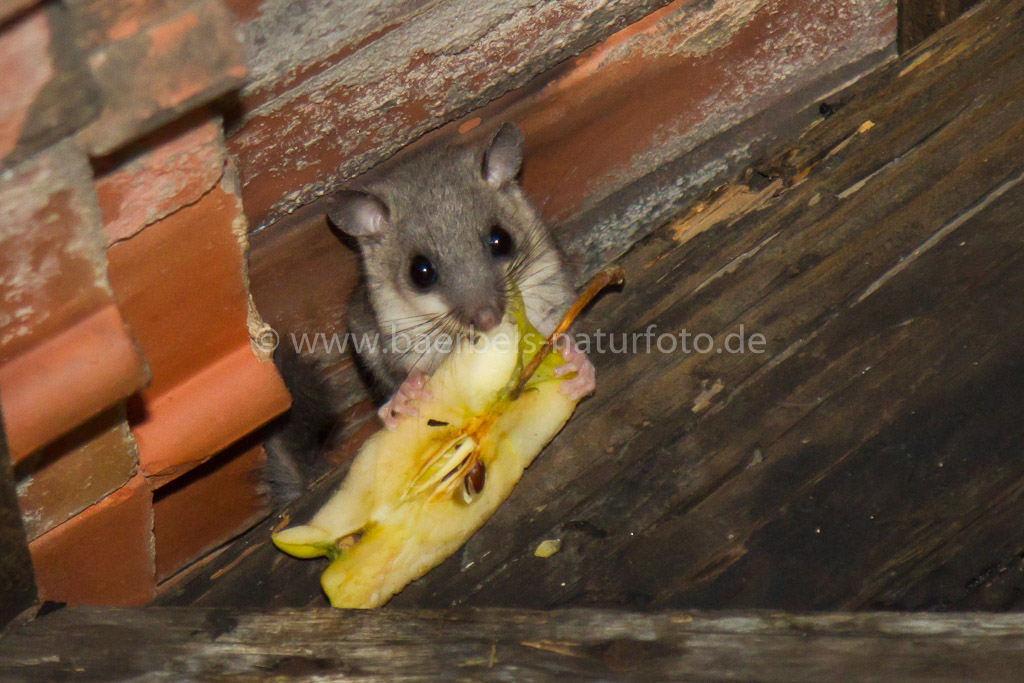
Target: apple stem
612, 276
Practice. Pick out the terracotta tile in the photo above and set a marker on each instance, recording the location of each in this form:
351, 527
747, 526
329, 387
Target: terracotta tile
645, 95
301, 280
17, 578
372, 81
76, 471
159, 175
180, 283
51, 247
207, 507
103, 556
217, 406
151, 76
47, 91
67, 379
105, 21
678, 78
65, 354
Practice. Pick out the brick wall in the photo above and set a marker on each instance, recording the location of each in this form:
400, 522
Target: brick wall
125, 353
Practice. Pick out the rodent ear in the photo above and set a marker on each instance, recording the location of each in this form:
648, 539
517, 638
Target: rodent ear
356, 213
504, 156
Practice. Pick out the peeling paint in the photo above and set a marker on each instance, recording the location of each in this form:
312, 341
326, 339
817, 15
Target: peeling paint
783, 58
280, 41
52, 263
174, 174
433, 67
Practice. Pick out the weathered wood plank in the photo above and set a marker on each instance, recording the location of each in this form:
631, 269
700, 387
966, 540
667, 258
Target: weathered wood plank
912, 440
17, 579
617, 485
497, 644
882, 412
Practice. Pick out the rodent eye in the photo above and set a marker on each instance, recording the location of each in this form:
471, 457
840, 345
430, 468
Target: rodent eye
422, 272
499, 241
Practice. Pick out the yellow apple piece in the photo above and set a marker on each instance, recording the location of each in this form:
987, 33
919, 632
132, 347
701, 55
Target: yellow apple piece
413, 496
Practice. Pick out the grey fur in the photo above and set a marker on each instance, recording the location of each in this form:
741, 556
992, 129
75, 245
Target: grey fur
298, 439
440, 203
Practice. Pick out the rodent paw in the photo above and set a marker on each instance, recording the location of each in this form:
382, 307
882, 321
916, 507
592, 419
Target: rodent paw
413, 390
576, 361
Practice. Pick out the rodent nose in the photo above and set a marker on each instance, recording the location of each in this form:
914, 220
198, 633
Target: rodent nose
487, 318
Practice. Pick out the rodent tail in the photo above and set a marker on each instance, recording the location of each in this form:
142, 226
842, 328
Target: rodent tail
296, 445
282, 474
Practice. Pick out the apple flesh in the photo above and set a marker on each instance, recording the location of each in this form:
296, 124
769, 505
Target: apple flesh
414, 495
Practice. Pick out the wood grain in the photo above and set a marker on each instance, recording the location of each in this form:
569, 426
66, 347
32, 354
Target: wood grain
520, 645
868, 457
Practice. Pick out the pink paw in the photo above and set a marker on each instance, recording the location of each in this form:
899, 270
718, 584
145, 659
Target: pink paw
575, 361
413, 389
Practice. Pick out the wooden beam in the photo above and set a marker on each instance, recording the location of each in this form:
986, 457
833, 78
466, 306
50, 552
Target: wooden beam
869, 457
106, 644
